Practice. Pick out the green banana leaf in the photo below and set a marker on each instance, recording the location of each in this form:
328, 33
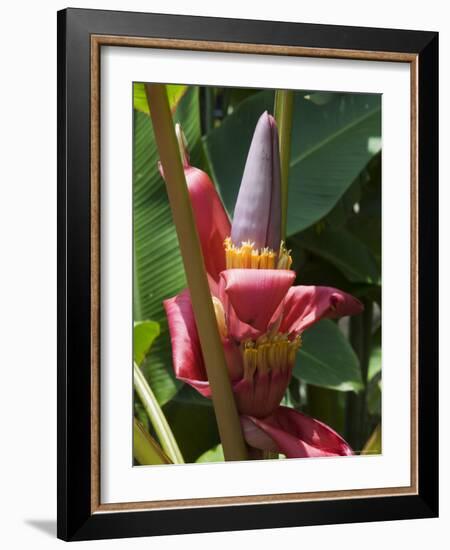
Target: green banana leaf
144, 335
174, 94
193, 423
330, 147
158, 268
215, 454
326, 359
345, 251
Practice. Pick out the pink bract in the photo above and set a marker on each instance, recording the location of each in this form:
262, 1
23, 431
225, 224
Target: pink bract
261, 315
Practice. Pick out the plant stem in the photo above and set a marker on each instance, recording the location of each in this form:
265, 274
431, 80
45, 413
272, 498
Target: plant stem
325, 405
216, 368
145, 448
284, 107
356, 413
353, 409
157, 418
365, 359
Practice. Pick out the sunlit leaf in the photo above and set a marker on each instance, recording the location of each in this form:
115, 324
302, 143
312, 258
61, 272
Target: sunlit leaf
212, 455
374, 363
145, 448
174, 93
144, 334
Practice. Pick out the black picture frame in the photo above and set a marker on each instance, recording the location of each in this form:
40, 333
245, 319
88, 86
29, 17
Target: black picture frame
76, 520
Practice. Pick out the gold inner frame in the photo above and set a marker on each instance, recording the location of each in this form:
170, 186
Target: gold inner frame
97, 41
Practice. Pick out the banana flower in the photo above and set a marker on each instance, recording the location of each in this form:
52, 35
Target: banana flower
260, 314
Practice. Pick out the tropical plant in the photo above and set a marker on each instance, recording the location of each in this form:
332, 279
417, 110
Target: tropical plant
333, 235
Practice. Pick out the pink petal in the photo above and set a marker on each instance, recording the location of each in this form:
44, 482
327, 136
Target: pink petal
253, 295
305, 305
233, 357
238, 330
262, 395
186, 351
294, 434
187, 355
212, 221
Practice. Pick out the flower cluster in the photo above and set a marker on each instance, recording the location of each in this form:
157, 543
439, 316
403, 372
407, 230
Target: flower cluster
260, 314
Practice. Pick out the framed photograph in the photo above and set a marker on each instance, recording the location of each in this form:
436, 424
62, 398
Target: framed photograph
247, 255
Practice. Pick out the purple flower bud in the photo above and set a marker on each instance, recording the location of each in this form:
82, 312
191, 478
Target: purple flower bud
257, 214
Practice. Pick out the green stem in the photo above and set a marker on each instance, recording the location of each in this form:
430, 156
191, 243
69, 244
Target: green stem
356, 413
145, 448
365, 359
156, 416
284, 107
227, 417
353, 408
325, 405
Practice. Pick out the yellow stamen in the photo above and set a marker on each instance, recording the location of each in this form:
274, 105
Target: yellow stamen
255, 259
293, 348
263, 259
269, 353
284, 257
247, 256
273, 356
249, 353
